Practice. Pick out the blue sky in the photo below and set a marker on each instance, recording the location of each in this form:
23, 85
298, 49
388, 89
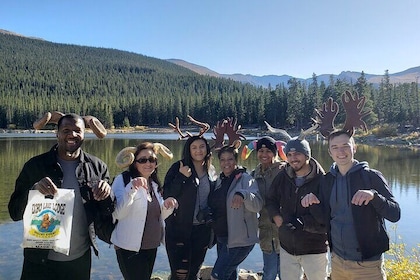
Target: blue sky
263, 37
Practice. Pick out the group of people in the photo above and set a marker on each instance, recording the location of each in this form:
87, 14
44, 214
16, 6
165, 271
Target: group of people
292, 208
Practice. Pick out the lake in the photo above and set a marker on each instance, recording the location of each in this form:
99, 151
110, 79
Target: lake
401, 167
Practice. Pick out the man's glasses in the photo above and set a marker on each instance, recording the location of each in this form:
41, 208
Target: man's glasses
144, 160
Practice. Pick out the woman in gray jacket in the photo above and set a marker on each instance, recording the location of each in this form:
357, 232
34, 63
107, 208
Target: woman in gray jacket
234, 202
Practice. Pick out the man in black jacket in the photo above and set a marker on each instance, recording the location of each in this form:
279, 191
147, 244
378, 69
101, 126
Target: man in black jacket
65, 166
302, 239
354, 200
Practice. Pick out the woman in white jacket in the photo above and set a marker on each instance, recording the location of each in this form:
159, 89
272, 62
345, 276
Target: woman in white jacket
140, 210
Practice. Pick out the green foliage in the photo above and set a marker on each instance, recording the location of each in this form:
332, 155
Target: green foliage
122, 88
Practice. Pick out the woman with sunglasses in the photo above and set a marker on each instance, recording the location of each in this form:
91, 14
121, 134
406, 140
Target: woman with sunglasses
187, 230
140, 211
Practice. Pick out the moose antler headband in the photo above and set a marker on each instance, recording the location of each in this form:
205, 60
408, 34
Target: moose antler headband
229, 127
354, 108
90, 122
204, 127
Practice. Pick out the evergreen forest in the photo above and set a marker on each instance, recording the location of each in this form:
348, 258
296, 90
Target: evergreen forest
127, 89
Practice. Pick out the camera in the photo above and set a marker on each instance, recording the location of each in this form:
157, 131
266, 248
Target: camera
205, 216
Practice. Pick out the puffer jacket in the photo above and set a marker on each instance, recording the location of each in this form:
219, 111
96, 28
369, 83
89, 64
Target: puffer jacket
90, 168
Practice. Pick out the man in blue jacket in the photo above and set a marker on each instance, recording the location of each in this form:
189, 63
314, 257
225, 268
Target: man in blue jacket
355, 200
65, 166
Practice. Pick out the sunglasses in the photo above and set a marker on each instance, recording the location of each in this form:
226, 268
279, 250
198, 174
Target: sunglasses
144, 160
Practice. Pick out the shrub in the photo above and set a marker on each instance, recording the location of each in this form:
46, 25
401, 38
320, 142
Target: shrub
401, 264
385, 131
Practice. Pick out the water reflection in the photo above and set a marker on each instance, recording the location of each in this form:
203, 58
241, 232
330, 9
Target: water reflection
399, 165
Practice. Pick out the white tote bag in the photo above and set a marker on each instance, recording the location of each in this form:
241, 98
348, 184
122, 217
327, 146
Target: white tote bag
47, 222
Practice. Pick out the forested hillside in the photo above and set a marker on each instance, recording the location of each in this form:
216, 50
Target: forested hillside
123, 88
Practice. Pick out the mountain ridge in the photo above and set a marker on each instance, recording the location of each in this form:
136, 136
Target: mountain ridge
407, 76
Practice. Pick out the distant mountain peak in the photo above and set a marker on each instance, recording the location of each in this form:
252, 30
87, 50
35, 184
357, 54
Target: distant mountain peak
407, 76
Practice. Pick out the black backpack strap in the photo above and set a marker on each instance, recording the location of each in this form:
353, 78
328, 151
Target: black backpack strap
126, 177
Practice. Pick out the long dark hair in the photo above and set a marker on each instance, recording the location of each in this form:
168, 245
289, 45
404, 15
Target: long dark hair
133, 170
186, 156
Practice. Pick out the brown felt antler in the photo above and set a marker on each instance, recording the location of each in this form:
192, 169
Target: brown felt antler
204, 127
232, 130
354, 105
219, 131
229, 127
326, 116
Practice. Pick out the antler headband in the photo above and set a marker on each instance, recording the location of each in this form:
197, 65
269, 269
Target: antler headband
353, 105
90, 122
204, 127
126, 156
354, 108
229, 127
287, 136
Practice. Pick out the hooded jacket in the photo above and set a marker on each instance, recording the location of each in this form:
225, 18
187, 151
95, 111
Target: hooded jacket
368, 219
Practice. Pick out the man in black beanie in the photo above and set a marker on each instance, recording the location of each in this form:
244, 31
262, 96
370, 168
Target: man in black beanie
302, 239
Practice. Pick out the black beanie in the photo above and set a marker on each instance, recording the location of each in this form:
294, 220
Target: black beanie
297, 145
267, 142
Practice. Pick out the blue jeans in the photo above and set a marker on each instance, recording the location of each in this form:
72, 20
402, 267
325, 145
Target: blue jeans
228, 260
271, 265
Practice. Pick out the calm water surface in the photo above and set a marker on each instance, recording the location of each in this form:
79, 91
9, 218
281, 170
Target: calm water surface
401, 167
